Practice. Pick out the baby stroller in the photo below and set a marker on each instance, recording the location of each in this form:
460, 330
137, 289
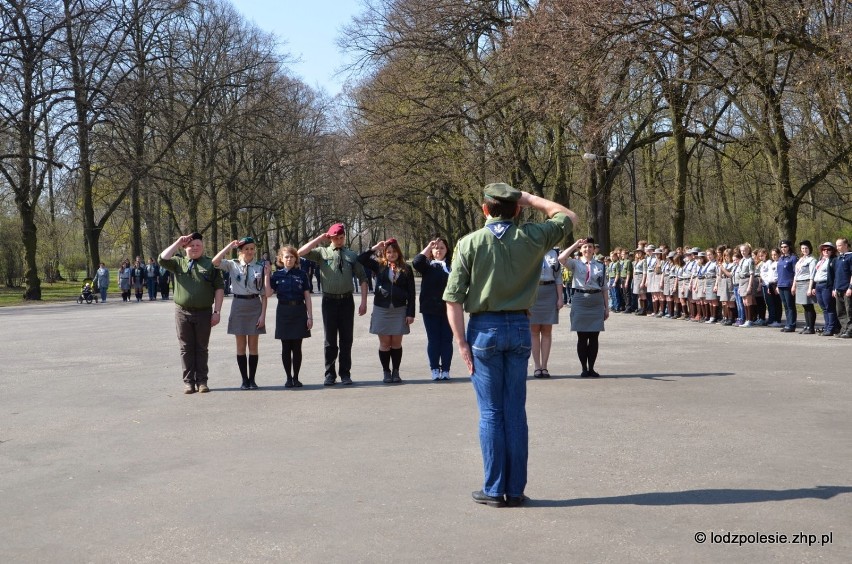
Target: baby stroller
87, 294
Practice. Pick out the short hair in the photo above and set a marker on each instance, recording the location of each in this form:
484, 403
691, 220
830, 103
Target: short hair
807, 244
500, 209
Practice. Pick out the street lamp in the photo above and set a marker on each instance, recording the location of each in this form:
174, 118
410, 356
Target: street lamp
591, 157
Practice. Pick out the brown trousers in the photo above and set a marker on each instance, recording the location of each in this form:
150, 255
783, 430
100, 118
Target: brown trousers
193, 332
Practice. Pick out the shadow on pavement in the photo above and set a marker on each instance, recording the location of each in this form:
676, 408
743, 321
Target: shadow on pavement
699, 497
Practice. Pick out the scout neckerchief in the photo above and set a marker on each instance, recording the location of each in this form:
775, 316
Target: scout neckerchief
499, 228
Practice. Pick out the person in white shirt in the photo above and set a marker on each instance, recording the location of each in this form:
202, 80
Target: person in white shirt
769, 285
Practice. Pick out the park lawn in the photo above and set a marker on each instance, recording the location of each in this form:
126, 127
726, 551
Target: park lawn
50, 293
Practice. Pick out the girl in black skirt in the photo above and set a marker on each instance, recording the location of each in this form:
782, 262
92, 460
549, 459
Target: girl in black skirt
294, 316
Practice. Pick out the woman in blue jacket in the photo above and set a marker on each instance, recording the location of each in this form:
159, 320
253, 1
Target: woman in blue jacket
433, 264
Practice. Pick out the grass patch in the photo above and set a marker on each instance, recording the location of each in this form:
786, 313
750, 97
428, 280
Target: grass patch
50, 293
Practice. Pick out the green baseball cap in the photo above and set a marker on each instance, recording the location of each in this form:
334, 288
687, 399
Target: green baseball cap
502, 191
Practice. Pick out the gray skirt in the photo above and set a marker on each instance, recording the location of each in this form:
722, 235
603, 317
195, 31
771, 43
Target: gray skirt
668, 285
655, 282
748, 290
726, 289
543, 311
709, 294
388, 321
698, 290
587, 312
683, 288
244, 316
637, 289
802, 297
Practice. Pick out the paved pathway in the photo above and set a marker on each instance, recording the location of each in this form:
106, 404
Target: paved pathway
695, 430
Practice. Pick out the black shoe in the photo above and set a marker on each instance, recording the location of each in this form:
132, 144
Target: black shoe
585, 374
788, 330
395, 377
386, 377
252, 384
346, 380
244, 385
329, 381
808, 331
296, 383
593, 374
844, 335
289, 382
545, 373
491, 501
516, 501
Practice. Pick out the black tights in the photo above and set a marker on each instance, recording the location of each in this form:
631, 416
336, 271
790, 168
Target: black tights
587, 348
291, 356
810, 316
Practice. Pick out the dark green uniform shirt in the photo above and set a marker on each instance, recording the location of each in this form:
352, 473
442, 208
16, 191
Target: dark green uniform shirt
337, 268
195, 288
491, 274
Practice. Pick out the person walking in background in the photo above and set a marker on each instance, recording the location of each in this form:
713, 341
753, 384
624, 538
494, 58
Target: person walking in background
165, 282
137, 278
247, 321
393, 303
590, 308
198, 288
494, 278
337, 265
433, 264
124, 280
842, 291
544, 313
152, 272
294, 315
102, 280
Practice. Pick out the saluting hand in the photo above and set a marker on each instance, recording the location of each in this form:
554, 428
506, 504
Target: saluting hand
184, 240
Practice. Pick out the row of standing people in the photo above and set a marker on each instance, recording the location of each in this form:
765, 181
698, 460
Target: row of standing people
735, 286
137, 278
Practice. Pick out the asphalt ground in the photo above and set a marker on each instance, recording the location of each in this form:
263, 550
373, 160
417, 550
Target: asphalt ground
695, 432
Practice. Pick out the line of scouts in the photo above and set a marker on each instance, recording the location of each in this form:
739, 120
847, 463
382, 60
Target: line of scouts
735, 286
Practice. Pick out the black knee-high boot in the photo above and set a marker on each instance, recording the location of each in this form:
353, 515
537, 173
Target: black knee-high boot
241, 362
252, 366
396, 360
385, 359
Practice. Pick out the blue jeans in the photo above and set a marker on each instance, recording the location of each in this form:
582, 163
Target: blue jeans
152, 288
740, 307
789, 302
439, 341
103, 291
500, 344
828, 305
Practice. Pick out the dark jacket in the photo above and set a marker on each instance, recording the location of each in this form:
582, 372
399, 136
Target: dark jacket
432, 287
842, 271
398, 294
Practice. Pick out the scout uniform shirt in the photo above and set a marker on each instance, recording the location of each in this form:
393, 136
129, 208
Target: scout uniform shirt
497, 268
246, 279
587, 275
196, 281
337, 267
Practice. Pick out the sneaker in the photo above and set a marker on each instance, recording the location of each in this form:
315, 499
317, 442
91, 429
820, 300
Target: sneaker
711, 320
445, 375
189, 388
346, 380
746, 324
775, 324
760, 322
436, 374
203, 389
329, 381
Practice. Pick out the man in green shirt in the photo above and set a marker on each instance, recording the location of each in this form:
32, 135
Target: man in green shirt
198, 286
337, 265
494, 278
